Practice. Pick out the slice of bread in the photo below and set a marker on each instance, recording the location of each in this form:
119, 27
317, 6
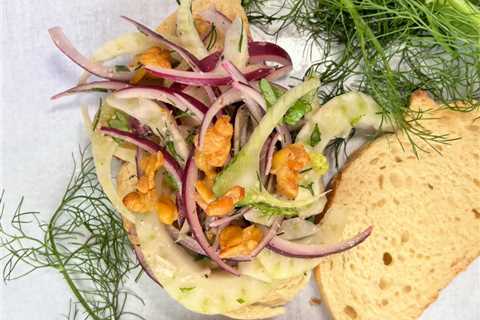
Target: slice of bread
426, 218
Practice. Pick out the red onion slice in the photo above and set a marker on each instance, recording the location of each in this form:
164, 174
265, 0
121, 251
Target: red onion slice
207, 78
293, 249
237, 76
171, 165
210, 62
196, 64
229, 97
279, 73
251, 93
185, 54
62, 43
262, 51
179, 99
226, 220
187, 242
267, 154
271, 233
240, 124
189, 179
100, 86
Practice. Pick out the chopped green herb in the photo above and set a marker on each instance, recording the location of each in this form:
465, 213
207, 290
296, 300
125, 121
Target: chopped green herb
121, 68
241, 39
191, 136
200, 257
240, 300
99, 90
171, 149
270, 210
212, 37
268, 92
316, 136
188, 289
183, 114
272, 94
308, 187
306, 170
97, 115
297, 111
170, 181
119, 121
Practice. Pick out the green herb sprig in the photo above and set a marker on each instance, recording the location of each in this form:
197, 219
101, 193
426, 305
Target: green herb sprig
84, 241
387, 49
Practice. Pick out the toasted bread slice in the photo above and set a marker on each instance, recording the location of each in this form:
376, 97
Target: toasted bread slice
426, 218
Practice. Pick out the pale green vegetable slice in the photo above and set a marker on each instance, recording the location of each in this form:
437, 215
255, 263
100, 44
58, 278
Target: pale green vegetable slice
243, 170
103, 149
280, 267
158, 118
254, 269
189, 282
128, 43
236, 44
186, 31
338, 116
209, 293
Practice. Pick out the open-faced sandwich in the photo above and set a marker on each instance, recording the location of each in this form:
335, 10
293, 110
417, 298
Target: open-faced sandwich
218, 170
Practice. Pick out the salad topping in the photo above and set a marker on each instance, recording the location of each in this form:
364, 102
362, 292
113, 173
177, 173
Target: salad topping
206, 126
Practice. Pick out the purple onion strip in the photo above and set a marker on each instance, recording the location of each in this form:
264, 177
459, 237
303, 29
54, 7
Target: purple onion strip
99, 86
206, 78
189, 179
229, 97
62, 43
293, 249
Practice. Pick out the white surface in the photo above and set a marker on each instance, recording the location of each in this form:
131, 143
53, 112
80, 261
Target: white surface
38, 138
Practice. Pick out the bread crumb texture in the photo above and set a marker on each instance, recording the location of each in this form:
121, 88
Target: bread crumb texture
426, 217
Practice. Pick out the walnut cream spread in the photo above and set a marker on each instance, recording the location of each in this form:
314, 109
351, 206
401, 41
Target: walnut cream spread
225, 164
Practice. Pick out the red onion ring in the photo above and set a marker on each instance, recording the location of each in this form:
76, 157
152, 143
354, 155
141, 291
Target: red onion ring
207, 78
209, 63
267, 154
196, 64
185, 54
226, 220
93, 86
292, 249
271, 233
240, 122
64, 45
237, 76
187, 242
250, 92
229, 97
189, 179
262, 51
166, 95
171, 165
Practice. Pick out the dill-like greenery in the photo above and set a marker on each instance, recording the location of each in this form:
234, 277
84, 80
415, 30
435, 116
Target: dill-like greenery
388, 48
84, 240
